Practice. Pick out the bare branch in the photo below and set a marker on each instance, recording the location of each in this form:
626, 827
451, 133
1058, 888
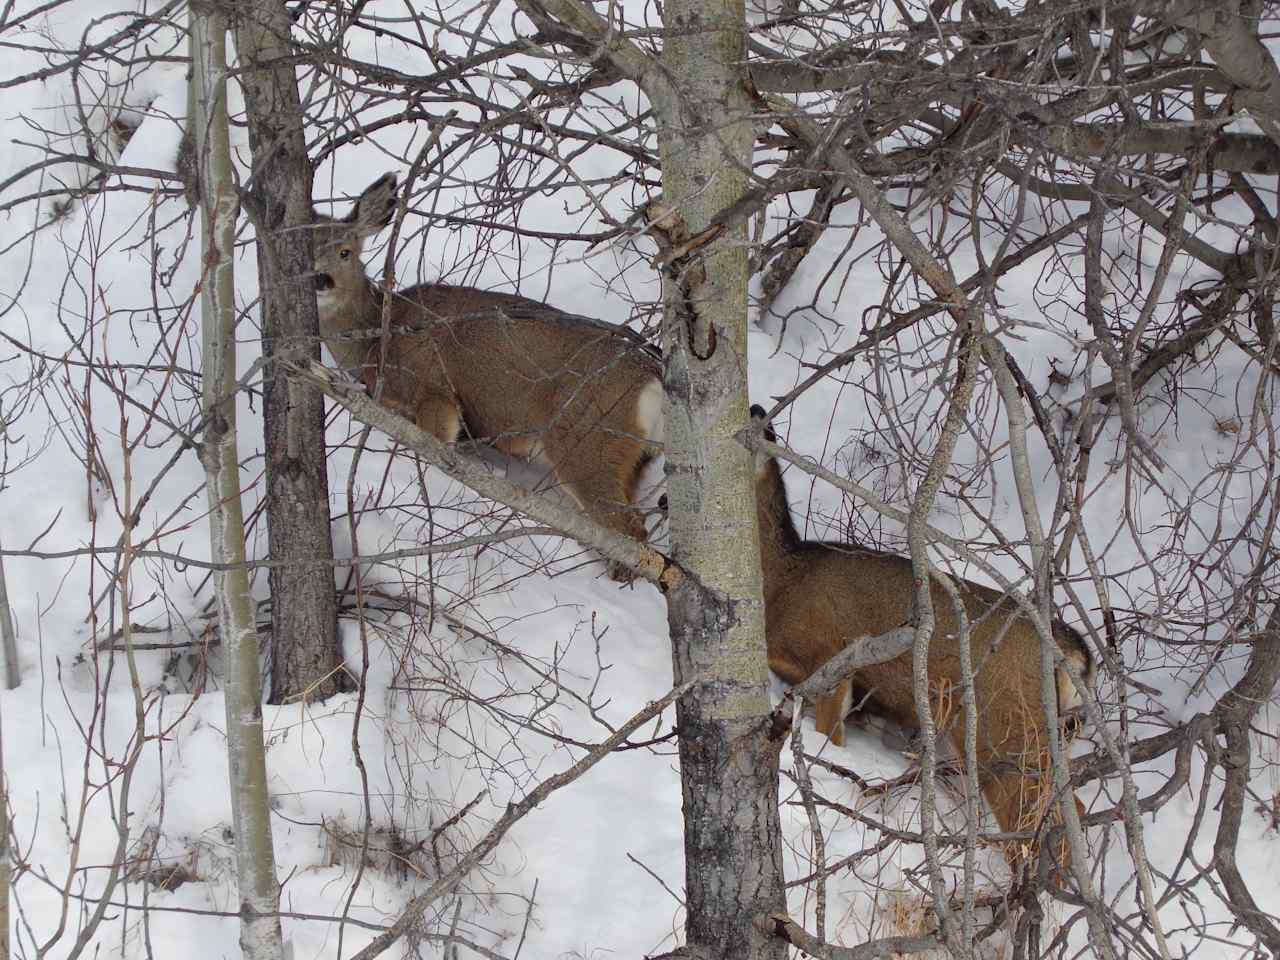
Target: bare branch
783, 926
643, 559
515, 812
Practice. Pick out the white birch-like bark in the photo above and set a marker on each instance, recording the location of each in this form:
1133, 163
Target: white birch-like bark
9, 639
728, 750
250, 807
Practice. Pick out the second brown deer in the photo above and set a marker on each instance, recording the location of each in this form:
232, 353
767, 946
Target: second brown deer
820, 596
581, 397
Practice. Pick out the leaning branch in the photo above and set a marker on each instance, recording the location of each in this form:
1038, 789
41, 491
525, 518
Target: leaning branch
858, 654
643, 559
183, 562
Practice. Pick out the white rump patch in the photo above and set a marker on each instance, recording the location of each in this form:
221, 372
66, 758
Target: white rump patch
649, 422
1069, 699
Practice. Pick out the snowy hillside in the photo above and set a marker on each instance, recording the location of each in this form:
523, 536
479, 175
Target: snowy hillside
488, 669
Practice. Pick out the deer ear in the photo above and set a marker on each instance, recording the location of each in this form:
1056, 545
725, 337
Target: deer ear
758, 420
374, 208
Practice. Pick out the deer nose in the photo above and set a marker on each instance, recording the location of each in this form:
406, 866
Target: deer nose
323, 282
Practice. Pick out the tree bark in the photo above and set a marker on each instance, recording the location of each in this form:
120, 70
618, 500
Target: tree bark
260, 937
8, 637
1229, 31
728, 761
307, 658
4, 839
1235, 713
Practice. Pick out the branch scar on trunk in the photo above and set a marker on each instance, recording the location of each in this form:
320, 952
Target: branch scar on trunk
677, 256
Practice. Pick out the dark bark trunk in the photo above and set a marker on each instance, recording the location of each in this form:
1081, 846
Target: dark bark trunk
1235, 713
307, 659
729, 780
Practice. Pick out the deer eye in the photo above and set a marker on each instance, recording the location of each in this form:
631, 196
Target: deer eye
344, 254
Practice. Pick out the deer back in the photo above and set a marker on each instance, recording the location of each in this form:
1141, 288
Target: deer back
518, 369
580, 397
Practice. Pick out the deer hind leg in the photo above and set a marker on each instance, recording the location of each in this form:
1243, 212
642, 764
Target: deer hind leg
434, 411
600, 467
602, 477
1020, 801
831, 711
439, 415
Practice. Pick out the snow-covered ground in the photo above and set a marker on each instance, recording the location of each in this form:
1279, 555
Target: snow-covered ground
487, 669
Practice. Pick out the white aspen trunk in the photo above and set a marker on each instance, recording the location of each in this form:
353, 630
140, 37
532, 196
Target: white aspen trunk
9, 639
728, 747
4, 819
8, 635
250, 807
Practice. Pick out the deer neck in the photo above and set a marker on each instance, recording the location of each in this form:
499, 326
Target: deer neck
778, 537
340, 319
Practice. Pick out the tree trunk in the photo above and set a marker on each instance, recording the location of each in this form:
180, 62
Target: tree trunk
8, 636
250, 807
9, 640
4, 851
307, 659
728, 763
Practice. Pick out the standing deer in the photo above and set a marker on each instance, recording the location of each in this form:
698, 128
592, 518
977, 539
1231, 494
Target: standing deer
819, 596
579, 396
